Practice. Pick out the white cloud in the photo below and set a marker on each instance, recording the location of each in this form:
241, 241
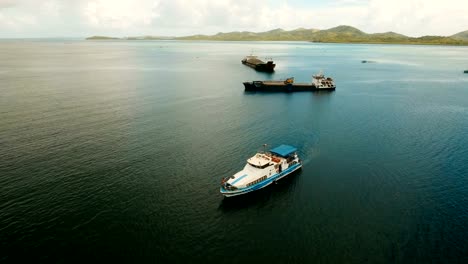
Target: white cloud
210, 16
11, 20
412, 17
51, 8
7, 3
183, 17
34, 18
201, 13
418, 17
121, 14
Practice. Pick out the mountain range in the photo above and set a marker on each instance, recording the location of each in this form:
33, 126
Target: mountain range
340, 34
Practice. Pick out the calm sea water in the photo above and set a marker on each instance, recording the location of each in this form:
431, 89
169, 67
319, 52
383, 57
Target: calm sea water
115, 150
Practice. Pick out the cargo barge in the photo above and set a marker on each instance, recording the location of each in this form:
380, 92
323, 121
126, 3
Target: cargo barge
259, 65
319, 83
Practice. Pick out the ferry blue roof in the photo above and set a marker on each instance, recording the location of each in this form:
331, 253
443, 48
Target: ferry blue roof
283, 150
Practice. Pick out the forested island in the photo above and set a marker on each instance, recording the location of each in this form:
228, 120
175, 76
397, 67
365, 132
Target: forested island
340, 34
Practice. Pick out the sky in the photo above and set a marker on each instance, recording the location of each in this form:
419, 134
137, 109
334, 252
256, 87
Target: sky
121, 18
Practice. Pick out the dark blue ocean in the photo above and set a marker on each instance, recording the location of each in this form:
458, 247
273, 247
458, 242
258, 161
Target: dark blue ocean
114, 150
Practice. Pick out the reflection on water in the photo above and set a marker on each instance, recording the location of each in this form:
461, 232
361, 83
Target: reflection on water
262, 196
116, 148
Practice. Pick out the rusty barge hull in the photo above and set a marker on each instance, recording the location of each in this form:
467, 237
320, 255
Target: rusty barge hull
259, 65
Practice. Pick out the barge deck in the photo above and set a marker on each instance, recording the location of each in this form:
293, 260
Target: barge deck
319, 82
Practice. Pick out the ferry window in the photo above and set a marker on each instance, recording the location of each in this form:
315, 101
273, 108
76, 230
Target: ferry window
258, 166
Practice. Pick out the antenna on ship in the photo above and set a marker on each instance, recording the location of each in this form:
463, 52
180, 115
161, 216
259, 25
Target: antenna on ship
264, 147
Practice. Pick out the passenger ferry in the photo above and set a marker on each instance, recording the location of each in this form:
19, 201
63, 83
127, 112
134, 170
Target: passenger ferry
261, 170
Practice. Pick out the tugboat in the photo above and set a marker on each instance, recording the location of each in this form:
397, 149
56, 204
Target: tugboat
319, 82
259, 65
261, 170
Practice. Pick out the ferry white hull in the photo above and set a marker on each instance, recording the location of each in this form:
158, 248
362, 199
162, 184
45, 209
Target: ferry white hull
262, 184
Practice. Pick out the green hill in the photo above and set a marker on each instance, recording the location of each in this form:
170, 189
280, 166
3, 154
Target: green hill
462, 35
276, 34
100, 38
129, 38
340, 34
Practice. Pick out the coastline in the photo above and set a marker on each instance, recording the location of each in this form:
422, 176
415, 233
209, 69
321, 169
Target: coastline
465, 44
340, 34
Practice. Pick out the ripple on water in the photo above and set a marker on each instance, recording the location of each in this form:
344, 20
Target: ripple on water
124, 157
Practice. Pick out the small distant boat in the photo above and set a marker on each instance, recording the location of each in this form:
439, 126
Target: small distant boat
465, 71
261, 170
259, 65
319, 82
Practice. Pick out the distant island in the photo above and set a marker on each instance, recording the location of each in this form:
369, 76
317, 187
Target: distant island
130, 38
340, 34
100, 38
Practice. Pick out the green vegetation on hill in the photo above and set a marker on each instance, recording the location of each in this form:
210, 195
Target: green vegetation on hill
272, 35
129, 38
462, 35
340, 34
148, 38
347, 34
100, 38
